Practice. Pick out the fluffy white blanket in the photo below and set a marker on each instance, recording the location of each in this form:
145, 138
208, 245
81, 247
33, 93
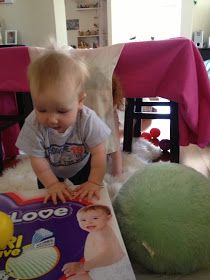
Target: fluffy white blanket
21, 177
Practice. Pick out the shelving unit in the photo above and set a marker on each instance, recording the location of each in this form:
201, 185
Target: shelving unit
92, 31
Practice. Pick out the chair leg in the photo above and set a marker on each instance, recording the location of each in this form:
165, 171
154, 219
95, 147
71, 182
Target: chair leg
174, 133
137, 128
24, 104
128, 126
137, 123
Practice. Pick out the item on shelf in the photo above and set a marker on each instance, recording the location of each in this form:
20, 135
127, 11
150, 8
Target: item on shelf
95, 45
88, 32
93, 32
83, 45
86, 5
96, 27
95, 5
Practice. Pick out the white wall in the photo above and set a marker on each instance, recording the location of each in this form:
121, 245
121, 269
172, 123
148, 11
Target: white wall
201, 18
109, 22
193, 18
186, 18
162, 21
60, 22
35, 20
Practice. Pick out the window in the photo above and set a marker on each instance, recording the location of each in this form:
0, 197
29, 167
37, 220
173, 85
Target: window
144, 19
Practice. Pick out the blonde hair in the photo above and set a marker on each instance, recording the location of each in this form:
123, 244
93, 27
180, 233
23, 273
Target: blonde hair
53, 68
104, 208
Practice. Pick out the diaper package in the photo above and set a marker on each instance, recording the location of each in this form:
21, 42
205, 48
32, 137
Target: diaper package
63, 241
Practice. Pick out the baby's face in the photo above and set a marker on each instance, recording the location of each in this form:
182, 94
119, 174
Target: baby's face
93, 220
57, 109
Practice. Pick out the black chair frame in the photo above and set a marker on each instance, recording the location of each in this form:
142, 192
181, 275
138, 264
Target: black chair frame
134, 115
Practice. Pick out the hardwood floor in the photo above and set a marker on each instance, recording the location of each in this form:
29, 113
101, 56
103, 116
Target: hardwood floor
196, 158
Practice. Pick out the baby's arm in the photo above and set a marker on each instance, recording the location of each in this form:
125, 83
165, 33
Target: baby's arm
55, 189
95, 180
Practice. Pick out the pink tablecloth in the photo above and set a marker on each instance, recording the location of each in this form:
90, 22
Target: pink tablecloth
13, 78
172, 69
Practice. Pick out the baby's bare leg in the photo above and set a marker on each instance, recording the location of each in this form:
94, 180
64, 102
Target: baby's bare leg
117, 164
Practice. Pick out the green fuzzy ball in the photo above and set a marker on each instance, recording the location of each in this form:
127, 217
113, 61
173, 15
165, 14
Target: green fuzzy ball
164, 216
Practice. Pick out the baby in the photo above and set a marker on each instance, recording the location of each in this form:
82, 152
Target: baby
104, 256
63, 138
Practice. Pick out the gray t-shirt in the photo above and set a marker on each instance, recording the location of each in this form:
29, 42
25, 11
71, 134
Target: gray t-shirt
66, 152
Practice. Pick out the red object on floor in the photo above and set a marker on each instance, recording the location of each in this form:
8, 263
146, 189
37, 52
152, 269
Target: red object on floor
155, 132
155, 141
164, 144
146, 135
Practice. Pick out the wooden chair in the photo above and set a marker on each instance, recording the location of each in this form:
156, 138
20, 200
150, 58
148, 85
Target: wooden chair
132, 123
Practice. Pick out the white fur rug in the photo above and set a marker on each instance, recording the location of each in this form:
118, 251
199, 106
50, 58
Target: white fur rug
22, 177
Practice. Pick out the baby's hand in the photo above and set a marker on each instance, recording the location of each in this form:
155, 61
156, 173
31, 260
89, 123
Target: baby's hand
88, 190
58, 191
73, 267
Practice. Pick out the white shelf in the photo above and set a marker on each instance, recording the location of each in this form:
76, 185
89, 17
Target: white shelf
87, 36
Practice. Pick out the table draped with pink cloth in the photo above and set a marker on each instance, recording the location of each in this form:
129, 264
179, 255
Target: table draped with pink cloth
13, 78
171, 69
